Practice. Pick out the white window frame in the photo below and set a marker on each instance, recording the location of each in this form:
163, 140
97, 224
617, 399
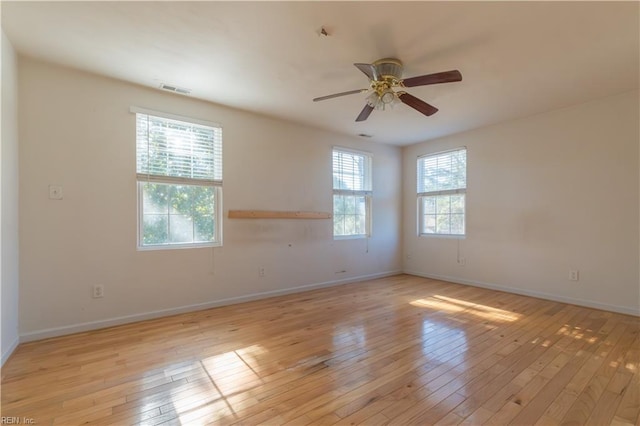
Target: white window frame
422, 195
144, 178
366, 192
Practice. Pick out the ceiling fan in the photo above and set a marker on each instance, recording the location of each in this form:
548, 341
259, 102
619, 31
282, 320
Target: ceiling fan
384, 76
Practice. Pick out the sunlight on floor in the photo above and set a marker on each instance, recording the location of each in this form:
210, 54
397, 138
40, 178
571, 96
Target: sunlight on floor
225, 370
452, 305
205, 397
577, 333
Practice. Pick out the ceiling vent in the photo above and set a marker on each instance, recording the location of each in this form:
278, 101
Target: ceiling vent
175, 89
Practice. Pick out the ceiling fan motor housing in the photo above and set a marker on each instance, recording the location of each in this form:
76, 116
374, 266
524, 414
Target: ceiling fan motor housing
389, 69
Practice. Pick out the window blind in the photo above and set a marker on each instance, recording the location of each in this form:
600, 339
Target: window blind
442, 173
178, 151
351, 172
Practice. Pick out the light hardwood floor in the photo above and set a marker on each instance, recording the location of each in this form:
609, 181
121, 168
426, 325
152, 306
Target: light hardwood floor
398, 350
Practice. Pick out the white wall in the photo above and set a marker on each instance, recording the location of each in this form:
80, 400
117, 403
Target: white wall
545, 194
76, 131
9, 202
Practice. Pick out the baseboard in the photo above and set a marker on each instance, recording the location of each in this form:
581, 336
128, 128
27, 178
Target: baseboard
524, 292
8, 351
94, 325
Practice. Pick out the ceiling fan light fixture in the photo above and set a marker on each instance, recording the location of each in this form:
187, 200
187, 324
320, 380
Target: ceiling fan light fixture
387, 97
380, 100
373, 100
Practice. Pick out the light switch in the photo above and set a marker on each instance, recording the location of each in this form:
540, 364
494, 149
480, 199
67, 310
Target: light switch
55, 192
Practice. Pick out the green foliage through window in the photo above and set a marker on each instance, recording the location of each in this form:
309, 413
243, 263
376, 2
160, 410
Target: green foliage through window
179, 167
442, 185
177, 214
351, 193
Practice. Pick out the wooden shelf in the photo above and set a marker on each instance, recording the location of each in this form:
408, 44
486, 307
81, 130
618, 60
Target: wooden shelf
270, 214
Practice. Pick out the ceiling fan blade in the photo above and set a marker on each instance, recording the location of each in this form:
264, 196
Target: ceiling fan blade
364, 114
437, 78
417, 104
336, 95
370, 71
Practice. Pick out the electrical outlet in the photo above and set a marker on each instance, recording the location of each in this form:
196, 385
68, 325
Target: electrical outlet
98, 291
261, 271
55, 192
574, 275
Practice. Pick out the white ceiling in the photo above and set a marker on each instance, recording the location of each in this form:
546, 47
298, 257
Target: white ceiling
516, 58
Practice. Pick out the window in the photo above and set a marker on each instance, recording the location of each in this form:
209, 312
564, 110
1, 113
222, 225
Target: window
351, 194
442, 185
179, 174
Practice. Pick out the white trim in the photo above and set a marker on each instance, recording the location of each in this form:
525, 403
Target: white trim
12, 347
172, 180
450, 236
353, 193
538, 294
442, 152
138, 110
350, 237
351, 150
94, 325
177, 246
443, 192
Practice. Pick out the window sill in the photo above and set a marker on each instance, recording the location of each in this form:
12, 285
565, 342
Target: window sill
178, 246
446, 236
350, 237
